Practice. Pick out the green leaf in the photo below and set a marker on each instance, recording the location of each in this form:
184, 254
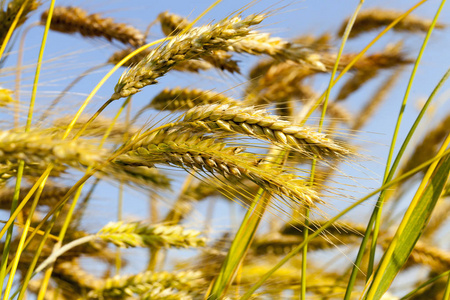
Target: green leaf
409, 231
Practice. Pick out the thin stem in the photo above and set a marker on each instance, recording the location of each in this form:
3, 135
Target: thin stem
330, 222
20, 247
360, 54
389, 177
378, 208
428, 282
52, 258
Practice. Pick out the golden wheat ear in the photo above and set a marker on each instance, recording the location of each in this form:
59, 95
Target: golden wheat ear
12, 9
76, 20
375, 18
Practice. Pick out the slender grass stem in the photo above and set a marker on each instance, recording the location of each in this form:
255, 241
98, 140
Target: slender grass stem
379, 207
330, 222
360, 54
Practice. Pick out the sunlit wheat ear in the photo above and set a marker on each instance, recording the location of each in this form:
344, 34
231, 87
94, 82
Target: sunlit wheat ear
143, 283
138, 234
259, 124
172, 24
185, 98
375, 18
12, 8
198, 153
195, 42
40, 147
76, 20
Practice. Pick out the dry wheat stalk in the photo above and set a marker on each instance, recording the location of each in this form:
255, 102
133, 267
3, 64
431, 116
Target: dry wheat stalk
199, 153
259, 124
40, 147
142, 283
195, 42
74, 19
377, 17
137, 234
7, 16
185, 98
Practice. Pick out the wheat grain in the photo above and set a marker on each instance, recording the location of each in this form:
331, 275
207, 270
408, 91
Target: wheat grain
74, 19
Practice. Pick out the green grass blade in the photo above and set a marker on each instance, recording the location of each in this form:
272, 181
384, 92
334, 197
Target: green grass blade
409, 231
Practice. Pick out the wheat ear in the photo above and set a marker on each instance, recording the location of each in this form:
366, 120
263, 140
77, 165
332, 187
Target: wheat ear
199, 153
144, 283
74, 19
260, 124
7, 16
184, 98
139, 234
377, 17
195, 42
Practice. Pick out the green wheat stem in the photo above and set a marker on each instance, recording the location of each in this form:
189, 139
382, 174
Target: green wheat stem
330, 222
322, 119
389, 177
360, 54
20, 247
14, 207
426, 283
379, 207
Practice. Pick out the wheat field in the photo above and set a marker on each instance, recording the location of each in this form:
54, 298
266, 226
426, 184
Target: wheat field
224, 150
